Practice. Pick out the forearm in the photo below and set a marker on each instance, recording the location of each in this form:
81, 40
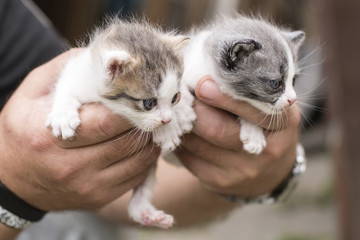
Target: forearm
7, 233
179, 193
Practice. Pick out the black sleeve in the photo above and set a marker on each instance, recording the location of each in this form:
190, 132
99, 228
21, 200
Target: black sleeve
26, 41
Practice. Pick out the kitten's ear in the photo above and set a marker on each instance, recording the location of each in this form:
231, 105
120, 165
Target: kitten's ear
296, 38
241, 49
117, 63
178, 41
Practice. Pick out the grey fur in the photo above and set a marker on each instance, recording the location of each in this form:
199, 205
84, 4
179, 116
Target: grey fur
149, 45
249, 76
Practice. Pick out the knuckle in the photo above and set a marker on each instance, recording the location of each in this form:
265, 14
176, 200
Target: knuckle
85, 190
250, 174
105, 124
223, 182
90, 194
273, 154
40, 142
216, 130
62, 174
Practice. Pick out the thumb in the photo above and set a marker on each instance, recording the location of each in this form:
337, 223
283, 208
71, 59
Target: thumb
42, 79
210, 93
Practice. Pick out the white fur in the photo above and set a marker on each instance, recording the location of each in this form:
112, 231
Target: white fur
141, 209
85, 79
198, 63
289, 93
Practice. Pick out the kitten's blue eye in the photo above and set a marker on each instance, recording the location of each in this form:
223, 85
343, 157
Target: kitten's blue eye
149, 103
176, 98
275, 84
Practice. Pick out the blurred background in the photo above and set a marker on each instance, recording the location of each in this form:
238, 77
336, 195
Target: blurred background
324, 207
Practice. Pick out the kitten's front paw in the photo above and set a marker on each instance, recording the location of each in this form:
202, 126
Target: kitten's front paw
254, 147
185, 112
186, 119
168, 136
252, 137
63, 122
170, 145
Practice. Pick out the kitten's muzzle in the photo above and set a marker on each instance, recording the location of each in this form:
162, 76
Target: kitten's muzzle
291, 101
165, 121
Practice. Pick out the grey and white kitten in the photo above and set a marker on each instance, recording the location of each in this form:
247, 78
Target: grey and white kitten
134, 70
251, 60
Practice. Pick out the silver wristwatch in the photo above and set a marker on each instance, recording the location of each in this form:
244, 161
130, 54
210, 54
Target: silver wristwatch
11, 220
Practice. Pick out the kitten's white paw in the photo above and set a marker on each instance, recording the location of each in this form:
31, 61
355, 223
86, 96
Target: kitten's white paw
64, 121
254, 147
168, 136
171, 144
156, 218
185, 112
252, 137
186, 117
63, 124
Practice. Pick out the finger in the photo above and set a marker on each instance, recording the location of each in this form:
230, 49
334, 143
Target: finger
98, 124
209, 92
123, 187
131, 166
42, 79
211, 176
204, 170
111, 152
218, 156
217, 126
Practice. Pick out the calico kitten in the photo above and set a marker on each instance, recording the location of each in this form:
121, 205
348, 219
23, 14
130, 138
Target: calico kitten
134, 70
251, 60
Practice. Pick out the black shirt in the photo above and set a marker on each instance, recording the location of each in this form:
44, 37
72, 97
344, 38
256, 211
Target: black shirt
25, 43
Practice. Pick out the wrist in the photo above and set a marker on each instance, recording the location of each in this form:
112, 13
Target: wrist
15, 212
8, 233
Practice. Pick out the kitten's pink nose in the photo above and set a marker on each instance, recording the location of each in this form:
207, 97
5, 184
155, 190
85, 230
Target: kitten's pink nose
291, 101
166, 121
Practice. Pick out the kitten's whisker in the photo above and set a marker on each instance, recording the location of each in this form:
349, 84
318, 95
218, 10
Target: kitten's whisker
121, 137
304, 59
313, 89
140, 142
313, 97
307, 120
131, 145
311, 66
314, 108
267, 130
265, 116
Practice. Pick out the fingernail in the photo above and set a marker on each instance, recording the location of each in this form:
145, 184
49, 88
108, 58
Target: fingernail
209, 90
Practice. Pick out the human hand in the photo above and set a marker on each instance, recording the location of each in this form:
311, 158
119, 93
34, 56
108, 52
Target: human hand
105, 160
214, 153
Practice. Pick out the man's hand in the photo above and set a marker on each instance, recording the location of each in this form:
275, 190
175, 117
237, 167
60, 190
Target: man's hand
106, 159
214, 153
